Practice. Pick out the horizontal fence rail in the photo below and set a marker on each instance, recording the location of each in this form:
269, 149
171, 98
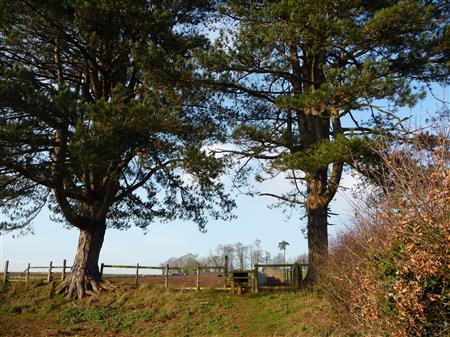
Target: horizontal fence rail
281, 276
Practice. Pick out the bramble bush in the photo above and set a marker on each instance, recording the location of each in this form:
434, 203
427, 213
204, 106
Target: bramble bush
391, 271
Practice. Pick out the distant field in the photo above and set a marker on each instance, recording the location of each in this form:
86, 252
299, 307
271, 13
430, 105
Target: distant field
26, 310
207, 280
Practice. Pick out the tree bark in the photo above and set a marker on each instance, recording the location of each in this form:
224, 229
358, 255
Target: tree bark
317, 212
85, 277
317, 240
89, 245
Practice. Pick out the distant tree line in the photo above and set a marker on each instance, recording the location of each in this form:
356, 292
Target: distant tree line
240, 256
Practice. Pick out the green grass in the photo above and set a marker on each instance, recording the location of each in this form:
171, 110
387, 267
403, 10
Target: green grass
144, 311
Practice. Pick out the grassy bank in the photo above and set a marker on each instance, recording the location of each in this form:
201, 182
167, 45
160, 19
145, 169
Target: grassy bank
26, 310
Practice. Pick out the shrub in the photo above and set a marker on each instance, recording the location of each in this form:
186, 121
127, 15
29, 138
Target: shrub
391, 270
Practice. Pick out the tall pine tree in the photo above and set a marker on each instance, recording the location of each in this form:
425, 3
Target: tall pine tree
102, 119
307, 78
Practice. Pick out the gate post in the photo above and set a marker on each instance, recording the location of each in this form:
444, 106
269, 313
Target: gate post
225, 272
300, 277
297, 275
256, 279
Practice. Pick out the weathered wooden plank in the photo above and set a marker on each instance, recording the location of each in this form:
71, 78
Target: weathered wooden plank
166, 283
27, 277
61, 267
213, 267
184, 268
137, 274
198, 277
118, 266
49, 275
150, 267
153, 267
63, 273
5, 272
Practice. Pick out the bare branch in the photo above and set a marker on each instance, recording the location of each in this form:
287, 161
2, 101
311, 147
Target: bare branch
280, 197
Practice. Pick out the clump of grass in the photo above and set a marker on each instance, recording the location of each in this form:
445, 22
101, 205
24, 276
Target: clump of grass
11, 309
81, 314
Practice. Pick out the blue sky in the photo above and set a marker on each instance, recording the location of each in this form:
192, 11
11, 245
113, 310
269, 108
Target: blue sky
52, 242
164, 240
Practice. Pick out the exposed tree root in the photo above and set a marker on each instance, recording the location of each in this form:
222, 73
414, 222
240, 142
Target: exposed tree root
80, 285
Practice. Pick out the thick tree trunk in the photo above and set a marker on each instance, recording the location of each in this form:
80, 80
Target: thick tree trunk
317, 212
84, 277
89, 245
316, 128
317, 240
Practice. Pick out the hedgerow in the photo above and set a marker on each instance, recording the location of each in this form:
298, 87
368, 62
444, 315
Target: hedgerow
391, 270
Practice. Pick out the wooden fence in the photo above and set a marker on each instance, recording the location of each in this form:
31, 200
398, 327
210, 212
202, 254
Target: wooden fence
48, 276
27, 274
167, 272
231, 280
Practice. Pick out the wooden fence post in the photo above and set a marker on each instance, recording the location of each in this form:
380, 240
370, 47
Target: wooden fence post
101, 270
166, 283
225, 272
296, 275
49, 275
137, 274
63, 273
198, 277
27, 273
300, 276
5, 272
255, 279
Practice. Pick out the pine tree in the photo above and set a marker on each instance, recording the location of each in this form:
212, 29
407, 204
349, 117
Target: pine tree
310, 81
103, 119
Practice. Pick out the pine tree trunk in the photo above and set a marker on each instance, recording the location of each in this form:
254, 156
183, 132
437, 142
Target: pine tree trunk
89, 245
317, 240
317, 212
84, 277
